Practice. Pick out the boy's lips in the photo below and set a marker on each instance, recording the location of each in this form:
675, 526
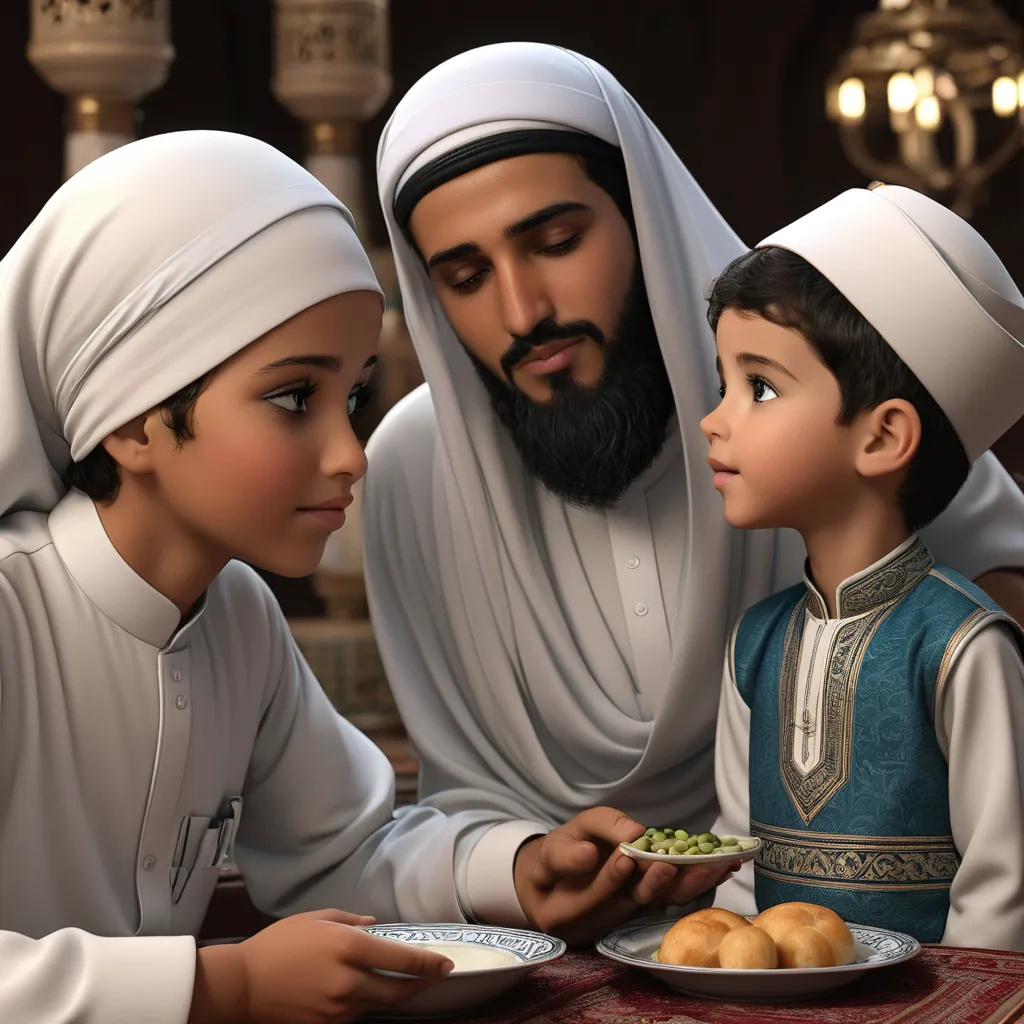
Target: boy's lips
329, 515
723, 473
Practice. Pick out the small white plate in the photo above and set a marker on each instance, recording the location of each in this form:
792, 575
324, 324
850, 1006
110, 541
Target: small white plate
470, 985
873, 948
685, 860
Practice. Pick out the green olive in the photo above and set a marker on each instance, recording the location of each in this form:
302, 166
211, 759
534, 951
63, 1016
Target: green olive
706, 837
658, 837
706, 847
679, 846
730, 849
643, 843
650, 832
729, 841
747, 844
692, 851
692, 841
681, 833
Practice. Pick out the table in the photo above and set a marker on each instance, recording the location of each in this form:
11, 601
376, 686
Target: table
943, 985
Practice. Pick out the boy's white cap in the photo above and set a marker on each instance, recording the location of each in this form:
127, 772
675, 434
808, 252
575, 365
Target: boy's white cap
935, 291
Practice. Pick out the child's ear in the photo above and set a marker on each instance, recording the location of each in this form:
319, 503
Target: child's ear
132, 446
889, 436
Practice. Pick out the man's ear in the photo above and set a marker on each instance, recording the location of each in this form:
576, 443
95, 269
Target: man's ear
132, 446
889, 436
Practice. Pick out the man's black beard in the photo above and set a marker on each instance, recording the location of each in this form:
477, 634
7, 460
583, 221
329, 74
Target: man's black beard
588, 444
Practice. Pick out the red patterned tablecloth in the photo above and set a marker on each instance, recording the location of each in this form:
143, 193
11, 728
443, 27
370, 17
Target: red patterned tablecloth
943, 985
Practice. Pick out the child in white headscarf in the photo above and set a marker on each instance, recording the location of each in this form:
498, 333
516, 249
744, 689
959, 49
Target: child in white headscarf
185, 330
871, 731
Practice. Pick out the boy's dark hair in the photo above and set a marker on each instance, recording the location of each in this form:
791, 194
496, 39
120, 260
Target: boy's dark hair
98, 474
785, 289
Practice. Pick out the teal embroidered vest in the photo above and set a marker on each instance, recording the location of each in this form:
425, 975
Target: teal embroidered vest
867, 830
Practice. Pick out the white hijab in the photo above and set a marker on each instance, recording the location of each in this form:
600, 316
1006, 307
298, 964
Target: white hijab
144, 271
516, 657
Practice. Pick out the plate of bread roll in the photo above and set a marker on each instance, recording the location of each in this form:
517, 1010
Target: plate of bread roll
789, 951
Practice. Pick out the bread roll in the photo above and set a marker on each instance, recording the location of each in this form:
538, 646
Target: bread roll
726, 917
784, 919
690, 943
749, 949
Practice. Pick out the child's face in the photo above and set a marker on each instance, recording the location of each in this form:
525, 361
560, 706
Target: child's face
273, 438
779, 457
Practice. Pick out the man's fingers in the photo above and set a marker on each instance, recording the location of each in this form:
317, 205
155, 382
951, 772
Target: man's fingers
606, 824
656, 881
367, 951
378, 990
563, 855
690, 882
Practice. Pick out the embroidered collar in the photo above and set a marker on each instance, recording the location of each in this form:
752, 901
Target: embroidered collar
889, 579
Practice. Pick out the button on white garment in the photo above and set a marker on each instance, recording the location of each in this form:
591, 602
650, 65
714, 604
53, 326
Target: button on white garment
148, 863
176, 675
640, 609
632, 561
180, 702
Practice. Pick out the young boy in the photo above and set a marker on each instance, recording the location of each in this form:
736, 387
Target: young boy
185, 330
871, 728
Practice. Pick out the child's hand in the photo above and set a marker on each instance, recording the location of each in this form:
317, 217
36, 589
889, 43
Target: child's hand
314, 968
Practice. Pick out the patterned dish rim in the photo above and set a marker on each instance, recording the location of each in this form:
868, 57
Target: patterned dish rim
539, 948
907, 947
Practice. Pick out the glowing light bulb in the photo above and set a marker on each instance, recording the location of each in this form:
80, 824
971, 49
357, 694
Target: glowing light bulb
851, 99
1005, 96
945, 86
927, 113
901, 92
924, 81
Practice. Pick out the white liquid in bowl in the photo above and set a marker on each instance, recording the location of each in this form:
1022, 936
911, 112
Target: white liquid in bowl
471, 958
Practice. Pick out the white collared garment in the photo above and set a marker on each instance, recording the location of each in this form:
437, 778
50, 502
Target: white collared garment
979, 725
650, 518
117, 725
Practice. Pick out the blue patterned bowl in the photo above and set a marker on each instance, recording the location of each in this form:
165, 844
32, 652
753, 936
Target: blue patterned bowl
472, 948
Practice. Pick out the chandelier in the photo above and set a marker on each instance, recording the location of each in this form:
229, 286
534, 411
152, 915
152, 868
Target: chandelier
930, 95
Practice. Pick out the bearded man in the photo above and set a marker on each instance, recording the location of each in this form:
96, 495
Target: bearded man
550, 575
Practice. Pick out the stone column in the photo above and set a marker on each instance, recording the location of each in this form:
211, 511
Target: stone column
104, 56
331, 72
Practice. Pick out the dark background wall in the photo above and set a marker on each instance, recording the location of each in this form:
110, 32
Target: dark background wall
735, 85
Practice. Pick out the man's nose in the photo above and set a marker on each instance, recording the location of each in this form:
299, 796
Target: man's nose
525, 302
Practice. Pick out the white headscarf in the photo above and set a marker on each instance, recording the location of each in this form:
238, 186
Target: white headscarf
504, 615
144, 271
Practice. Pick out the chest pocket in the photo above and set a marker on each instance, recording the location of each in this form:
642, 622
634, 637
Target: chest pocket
204, 843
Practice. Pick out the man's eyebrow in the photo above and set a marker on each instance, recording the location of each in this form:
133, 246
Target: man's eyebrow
542, 217
521, 227
754, 359
456, 252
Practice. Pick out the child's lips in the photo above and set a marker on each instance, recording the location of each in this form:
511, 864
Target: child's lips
723, 473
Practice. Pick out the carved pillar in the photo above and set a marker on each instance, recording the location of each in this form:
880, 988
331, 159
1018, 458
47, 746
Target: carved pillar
104, 56
331, 72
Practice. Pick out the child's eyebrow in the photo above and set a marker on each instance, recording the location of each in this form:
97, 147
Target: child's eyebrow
753, 359
331, 363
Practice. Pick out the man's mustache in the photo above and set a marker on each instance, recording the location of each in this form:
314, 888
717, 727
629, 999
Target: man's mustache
544, 333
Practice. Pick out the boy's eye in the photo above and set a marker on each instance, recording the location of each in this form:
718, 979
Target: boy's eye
763, 391
294, 400
359, 398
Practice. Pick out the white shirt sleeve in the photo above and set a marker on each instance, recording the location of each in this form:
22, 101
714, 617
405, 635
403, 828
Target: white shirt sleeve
980, 727
318, 826
72, 977
732, 784
983, 527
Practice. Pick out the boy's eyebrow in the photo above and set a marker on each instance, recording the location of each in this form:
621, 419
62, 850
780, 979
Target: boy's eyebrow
520, 227
753, 359
322, 362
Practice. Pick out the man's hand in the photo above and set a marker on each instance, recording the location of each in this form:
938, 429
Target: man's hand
575, 883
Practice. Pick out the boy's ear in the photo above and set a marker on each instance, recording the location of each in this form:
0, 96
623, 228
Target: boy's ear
889, 437
132, 446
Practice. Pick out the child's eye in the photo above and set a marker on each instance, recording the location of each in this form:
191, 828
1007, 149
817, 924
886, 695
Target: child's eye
763, 391
293, 400
359, 398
